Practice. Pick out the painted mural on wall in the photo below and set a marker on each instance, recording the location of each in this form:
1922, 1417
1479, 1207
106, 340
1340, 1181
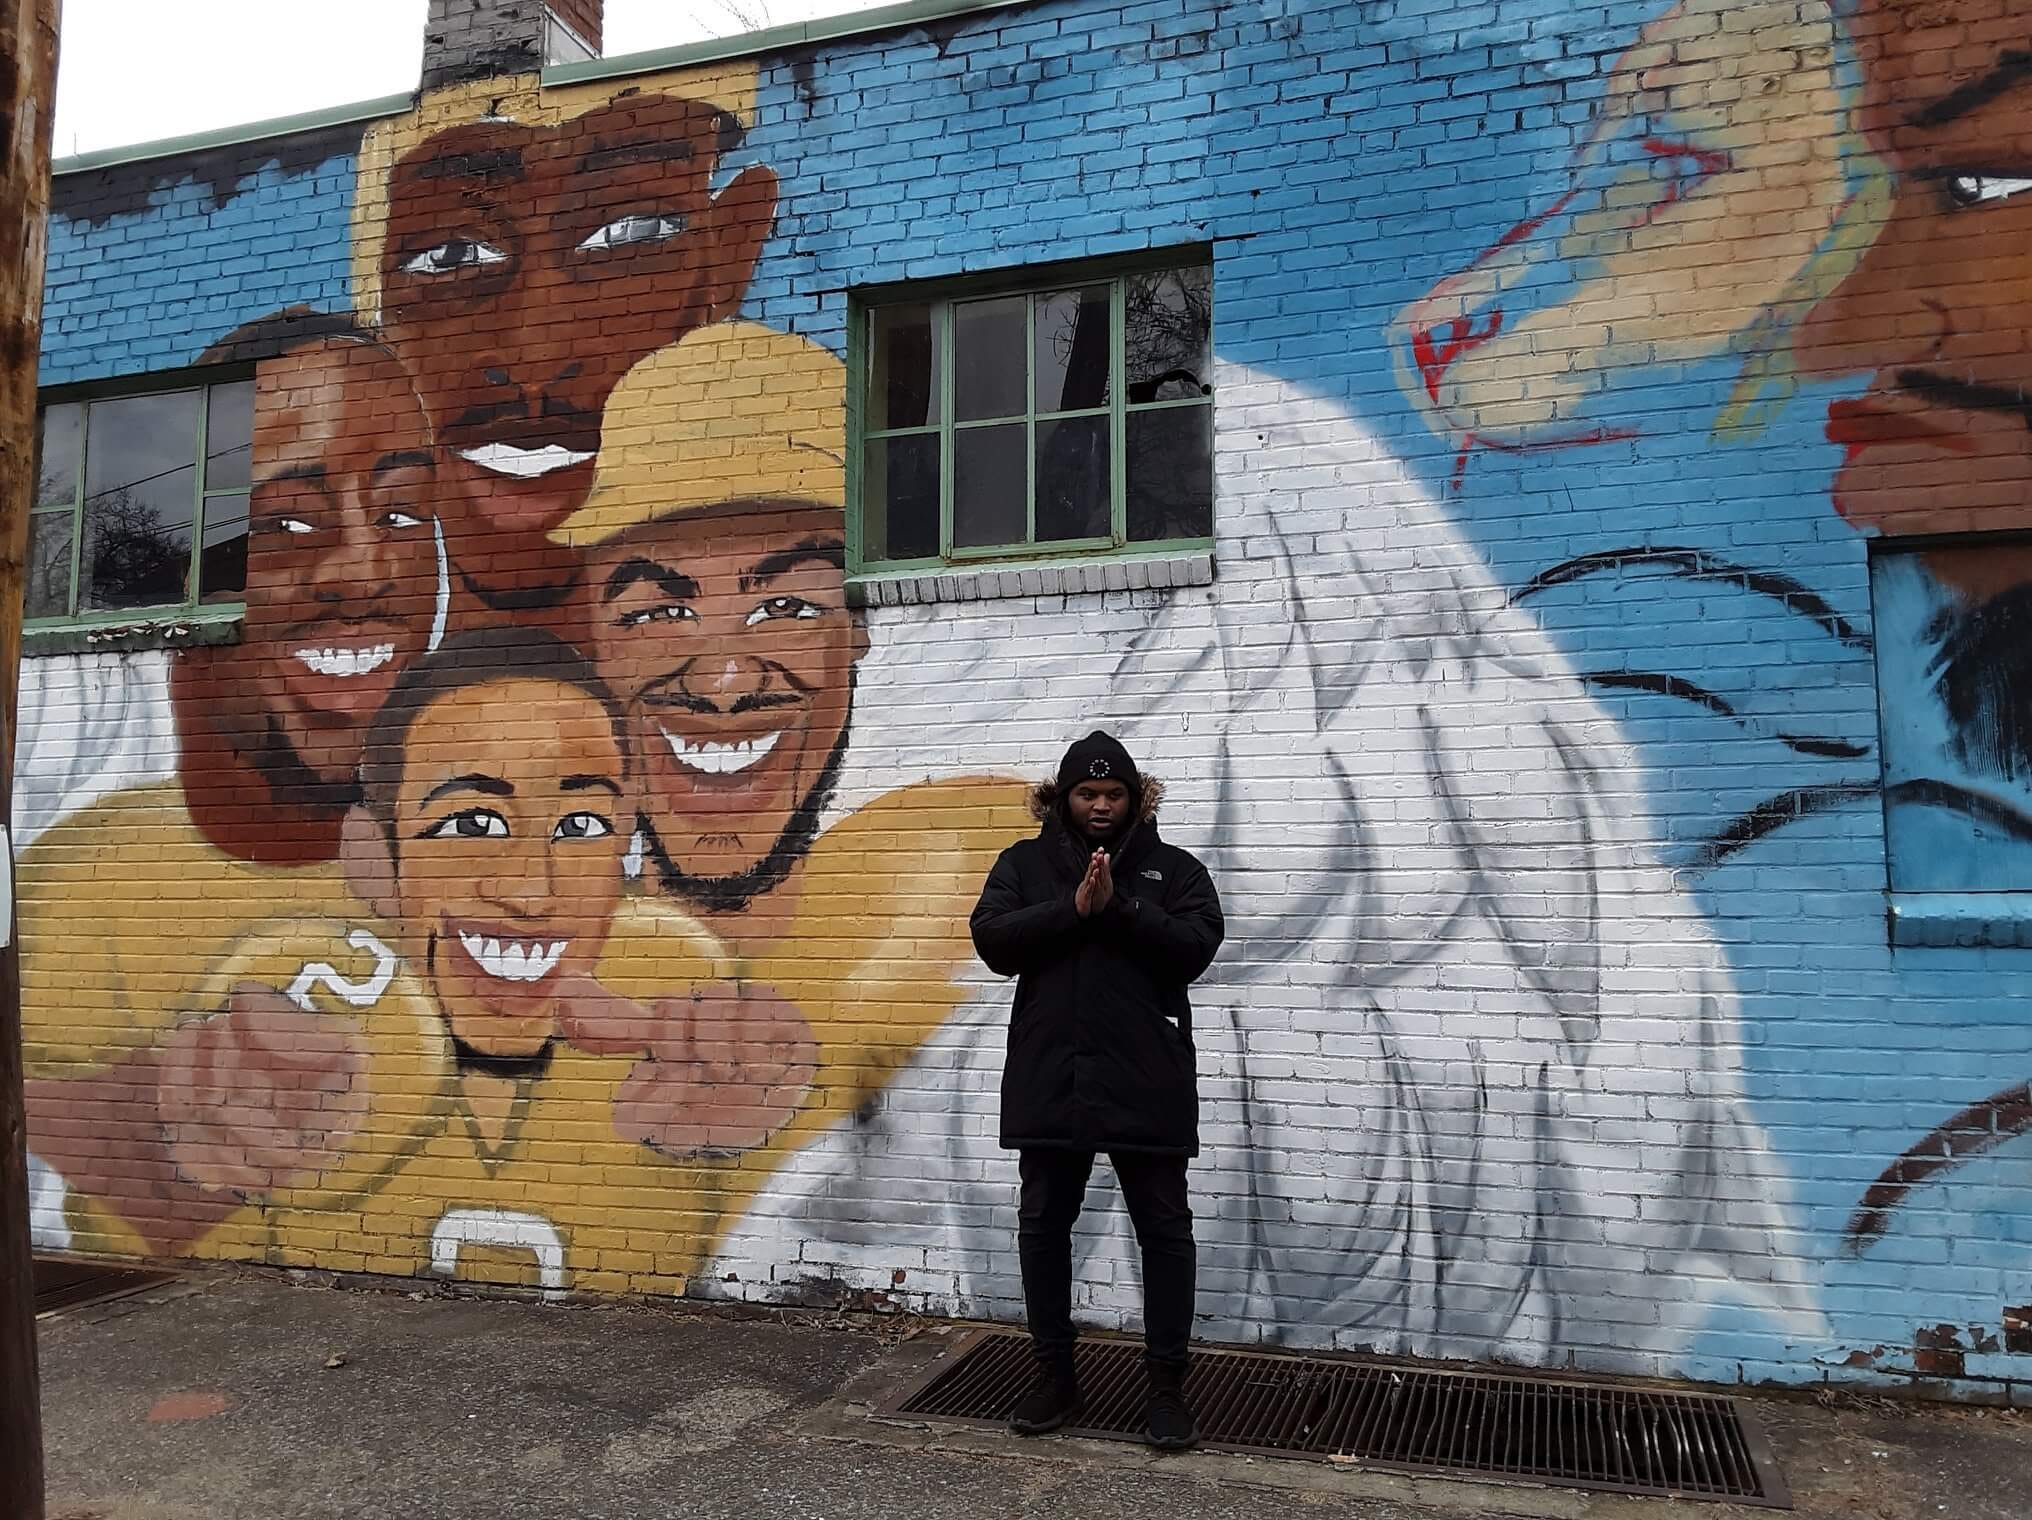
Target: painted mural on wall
505, 812
584, 879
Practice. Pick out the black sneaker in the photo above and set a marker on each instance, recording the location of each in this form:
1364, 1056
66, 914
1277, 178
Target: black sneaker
1054, 1400
1168, 1424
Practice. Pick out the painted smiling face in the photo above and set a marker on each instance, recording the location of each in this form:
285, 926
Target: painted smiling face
1614, 273
526, 268
342, 565
1940, 308
507, 854
726, 633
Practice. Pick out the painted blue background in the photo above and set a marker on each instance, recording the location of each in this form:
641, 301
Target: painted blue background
149, 288
1343, 157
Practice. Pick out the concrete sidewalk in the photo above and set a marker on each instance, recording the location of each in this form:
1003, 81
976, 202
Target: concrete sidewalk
240, 1395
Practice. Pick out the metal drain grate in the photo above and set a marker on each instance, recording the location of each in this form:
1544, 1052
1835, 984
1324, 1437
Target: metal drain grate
1583, 1435
64, 1284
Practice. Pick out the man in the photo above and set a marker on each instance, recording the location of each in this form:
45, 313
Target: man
345, 587
1938, 313
532, 251
489, 839
715, 595
715, 592
326, 1041
429, 1076
1106, 925
495, 777
1938, 309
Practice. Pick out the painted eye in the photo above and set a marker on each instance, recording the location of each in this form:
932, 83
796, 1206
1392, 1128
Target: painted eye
582, 826
453, 254
1679, 167
399, 519
1975, 189
783, 607
636, 227
674, 612
294, 525
473, 823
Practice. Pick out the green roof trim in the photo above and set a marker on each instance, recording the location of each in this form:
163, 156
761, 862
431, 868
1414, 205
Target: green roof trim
226, 137
881, 18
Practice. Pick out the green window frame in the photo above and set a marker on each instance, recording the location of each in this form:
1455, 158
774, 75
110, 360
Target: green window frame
952, 383
141, 506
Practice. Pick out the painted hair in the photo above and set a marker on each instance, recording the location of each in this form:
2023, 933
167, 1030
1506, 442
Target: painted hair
504, 652
282, 332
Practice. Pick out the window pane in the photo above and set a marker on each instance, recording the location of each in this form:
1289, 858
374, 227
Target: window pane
140, 480
988, 359
135, 556
1072, 478
1956, 714
229, 428
988, 486
56, 454
1072, 350
899, 493
1171, 475
1167, 334
48, 592
222, 567
902, 368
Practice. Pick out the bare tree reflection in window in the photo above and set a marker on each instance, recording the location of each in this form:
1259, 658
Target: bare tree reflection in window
1168, 319
133, 557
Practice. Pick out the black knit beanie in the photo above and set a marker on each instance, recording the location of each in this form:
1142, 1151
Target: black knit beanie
1098, 757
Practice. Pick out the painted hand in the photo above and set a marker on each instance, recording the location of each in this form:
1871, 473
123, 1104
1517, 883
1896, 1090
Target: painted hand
728, 1069
261, 1095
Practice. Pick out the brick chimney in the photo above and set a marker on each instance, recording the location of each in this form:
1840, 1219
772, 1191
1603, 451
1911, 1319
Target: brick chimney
477, 39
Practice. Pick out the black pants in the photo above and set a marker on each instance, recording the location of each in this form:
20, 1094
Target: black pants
1054, 1185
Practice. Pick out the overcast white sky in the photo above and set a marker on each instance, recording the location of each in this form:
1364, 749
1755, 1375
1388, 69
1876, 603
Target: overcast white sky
132, 71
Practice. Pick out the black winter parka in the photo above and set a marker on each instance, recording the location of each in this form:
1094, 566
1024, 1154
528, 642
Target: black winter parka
1100, 1042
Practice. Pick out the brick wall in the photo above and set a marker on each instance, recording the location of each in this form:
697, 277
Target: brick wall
149, 262
1620, 814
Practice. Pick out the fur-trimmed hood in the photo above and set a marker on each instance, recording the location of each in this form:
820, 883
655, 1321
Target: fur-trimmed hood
1044, 799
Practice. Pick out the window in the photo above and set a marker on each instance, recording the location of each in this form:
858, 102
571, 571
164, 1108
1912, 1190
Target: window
140, 504
1073, 416
1954, 680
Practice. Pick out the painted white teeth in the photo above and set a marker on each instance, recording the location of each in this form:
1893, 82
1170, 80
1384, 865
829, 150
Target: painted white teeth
347, 662
720, 759
517, 960
523, 464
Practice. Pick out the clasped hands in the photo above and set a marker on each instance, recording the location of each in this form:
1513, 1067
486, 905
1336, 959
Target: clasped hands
1097, 888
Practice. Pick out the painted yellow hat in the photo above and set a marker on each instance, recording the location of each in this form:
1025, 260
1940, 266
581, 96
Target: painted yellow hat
733, 411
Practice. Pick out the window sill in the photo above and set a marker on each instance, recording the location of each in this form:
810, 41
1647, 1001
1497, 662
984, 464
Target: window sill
184, 631
1961, 920
1046, 578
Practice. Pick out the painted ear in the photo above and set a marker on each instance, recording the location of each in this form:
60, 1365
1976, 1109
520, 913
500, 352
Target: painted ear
737, 226
367, 857
857, 619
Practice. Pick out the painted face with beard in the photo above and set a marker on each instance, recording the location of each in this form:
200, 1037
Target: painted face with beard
726, 634
494, 229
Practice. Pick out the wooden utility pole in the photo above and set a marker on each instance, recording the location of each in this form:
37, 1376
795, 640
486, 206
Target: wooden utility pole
27, 104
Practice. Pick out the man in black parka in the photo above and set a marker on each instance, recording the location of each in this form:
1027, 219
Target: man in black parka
1105, 926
